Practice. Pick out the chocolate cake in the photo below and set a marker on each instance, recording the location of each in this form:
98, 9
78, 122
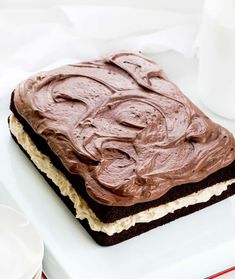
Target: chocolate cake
123, 147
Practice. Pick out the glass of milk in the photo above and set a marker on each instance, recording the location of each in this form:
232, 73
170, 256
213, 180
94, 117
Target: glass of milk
21, 247
217, 57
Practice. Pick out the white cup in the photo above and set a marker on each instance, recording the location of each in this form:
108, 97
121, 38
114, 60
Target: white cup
217, 57
21, 247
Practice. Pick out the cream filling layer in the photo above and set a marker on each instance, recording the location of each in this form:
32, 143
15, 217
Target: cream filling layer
44, 164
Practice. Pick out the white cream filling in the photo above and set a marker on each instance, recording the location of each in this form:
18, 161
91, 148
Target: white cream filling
44, 164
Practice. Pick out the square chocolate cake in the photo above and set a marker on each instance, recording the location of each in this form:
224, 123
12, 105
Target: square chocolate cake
123, 147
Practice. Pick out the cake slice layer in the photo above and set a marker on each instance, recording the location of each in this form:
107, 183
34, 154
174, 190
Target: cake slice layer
126, 227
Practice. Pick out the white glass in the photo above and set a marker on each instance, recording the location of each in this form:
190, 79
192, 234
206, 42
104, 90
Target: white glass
217, 57
21, 247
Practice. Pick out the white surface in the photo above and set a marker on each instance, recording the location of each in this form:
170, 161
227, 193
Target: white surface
36, 34
217, 57
21, 251
192, 247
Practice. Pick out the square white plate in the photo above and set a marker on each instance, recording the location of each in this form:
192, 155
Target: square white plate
195, 246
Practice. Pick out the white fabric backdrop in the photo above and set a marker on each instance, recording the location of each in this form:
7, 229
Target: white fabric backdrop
173, 5
39, 34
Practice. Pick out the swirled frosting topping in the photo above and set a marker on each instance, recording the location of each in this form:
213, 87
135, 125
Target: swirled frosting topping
124, 127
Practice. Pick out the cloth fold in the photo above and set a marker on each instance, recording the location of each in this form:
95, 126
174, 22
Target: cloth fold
33, 39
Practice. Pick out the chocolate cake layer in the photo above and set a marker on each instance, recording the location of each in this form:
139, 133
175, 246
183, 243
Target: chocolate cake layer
105, 240
109, 214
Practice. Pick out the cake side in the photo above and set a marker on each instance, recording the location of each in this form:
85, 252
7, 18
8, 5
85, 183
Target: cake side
122, 126
113, 233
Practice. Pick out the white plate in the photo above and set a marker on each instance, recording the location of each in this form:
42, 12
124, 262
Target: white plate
195, 246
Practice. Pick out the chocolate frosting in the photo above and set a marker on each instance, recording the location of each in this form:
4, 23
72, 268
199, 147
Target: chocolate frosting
124, 127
